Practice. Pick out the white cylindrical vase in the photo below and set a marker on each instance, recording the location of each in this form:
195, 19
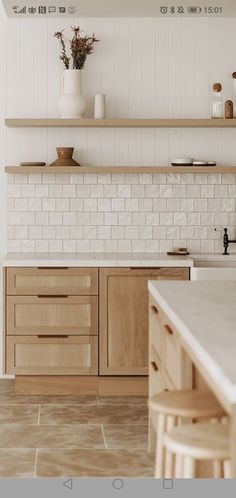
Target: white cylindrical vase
100, 106
71, 104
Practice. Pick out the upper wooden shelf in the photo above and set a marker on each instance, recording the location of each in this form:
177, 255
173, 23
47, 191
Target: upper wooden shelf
119, 169
122, 123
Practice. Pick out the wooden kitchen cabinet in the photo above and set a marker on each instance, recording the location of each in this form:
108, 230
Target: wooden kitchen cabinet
123, 311
164, 346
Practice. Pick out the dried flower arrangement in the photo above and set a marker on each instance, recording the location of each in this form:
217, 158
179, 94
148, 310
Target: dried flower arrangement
80, 47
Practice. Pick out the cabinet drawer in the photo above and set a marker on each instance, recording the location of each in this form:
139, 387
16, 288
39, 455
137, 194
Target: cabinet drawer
155, 327
171, 353
155, 377
52, 281
52, 356
32, 315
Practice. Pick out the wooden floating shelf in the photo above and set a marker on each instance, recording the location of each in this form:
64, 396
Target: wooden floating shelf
122, 123
119, 169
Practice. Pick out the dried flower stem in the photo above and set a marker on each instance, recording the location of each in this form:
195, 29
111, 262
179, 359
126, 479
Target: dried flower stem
80, 47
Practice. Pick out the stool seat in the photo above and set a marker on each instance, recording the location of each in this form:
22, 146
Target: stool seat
200, 441
187, 404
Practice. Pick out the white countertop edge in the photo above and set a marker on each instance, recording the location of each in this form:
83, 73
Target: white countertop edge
150, 260
203, 357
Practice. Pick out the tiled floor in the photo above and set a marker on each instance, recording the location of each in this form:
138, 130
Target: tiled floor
73, 436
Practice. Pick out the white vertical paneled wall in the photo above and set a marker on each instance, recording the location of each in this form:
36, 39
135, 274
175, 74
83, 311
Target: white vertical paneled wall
147, 68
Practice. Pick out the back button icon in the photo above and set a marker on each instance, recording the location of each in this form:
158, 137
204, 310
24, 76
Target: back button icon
68, 484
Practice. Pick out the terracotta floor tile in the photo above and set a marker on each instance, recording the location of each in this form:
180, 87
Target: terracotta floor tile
19, 414
72, 399
7, 386
103, 414
126, 436
94, 463
57, 436
122, 400
13, 399
17, 463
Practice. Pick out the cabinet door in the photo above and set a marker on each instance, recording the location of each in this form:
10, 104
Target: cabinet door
47, 315
123, 330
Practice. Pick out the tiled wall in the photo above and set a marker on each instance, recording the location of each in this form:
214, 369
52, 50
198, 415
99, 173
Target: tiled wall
90, 212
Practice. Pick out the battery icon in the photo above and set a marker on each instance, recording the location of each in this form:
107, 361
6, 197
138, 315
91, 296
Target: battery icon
194, 10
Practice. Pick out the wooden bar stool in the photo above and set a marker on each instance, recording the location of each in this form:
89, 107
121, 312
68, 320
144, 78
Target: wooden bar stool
190, 443
173, 408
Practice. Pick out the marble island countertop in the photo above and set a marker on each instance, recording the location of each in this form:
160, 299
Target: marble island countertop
204, 314
150, 260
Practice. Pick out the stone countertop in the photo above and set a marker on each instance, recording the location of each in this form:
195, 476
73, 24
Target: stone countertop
204, 314
150, 260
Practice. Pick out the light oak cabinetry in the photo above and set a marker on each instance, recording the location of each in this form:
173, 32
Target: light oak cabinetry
123, 327
85, 322
166, 354
169, 366
51, 321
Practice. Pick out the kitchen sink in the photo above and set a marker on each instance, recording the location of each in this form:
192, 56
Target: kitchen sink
214, 270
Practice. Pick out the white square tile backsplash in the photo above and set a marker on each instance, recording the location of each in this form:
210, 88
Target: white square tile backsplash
128, 216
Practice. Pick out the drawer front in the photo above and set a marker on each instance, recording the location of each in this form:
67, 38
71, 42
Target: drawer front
52, 281
52, 356
32, 315
155, 377
171, 354
155, 328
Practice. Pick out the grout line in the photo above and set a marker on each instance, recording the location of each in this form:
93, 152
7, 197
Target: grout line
36, 461
103, 433
39, 416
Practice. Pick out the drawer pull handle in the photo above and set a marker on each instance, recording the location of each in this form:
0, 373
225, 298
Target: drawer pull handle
154, 310
147, 268
52, 336
166, 390
154, 366
52, 268
51, 296
168, 329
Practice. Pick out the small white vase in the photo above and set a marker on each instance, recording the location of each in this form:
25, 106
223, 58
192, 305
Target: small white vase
100, 106
71, 104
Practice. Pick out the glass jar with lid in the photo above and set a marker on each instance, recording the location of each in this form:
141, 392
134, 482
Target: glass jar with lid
217, 105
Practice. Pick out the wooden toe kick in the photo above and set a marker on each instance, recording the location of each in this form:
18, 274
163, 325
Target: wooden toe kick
75, 385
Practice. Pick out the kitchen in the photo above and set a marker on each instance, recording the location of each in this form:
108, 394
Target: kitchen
82, 245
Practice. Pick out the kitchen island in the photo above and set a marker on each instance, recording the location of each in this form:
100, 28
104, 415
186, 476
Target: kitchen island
199, 319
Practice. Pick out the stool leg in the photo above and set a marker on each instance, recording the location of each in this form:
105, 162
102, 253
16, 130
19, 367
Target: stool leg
169, 460
151, 436
178, 466
160, 450
189, 470
226, 465
217, 469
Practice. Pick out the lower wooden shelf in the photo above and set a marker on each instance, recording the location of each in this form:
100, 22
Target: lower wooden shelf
119, 169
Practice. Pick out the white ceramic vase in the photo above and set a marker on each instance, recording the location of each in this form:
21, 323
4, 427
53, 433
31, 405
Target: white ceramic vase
71, 104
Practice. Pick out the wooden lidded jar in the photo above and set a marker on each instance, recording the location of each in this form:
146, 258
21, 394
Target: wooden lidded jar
229, 109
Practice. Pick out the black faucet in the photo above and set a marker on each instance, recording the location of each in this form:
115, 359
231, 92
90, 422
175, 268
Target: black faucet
226, 242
